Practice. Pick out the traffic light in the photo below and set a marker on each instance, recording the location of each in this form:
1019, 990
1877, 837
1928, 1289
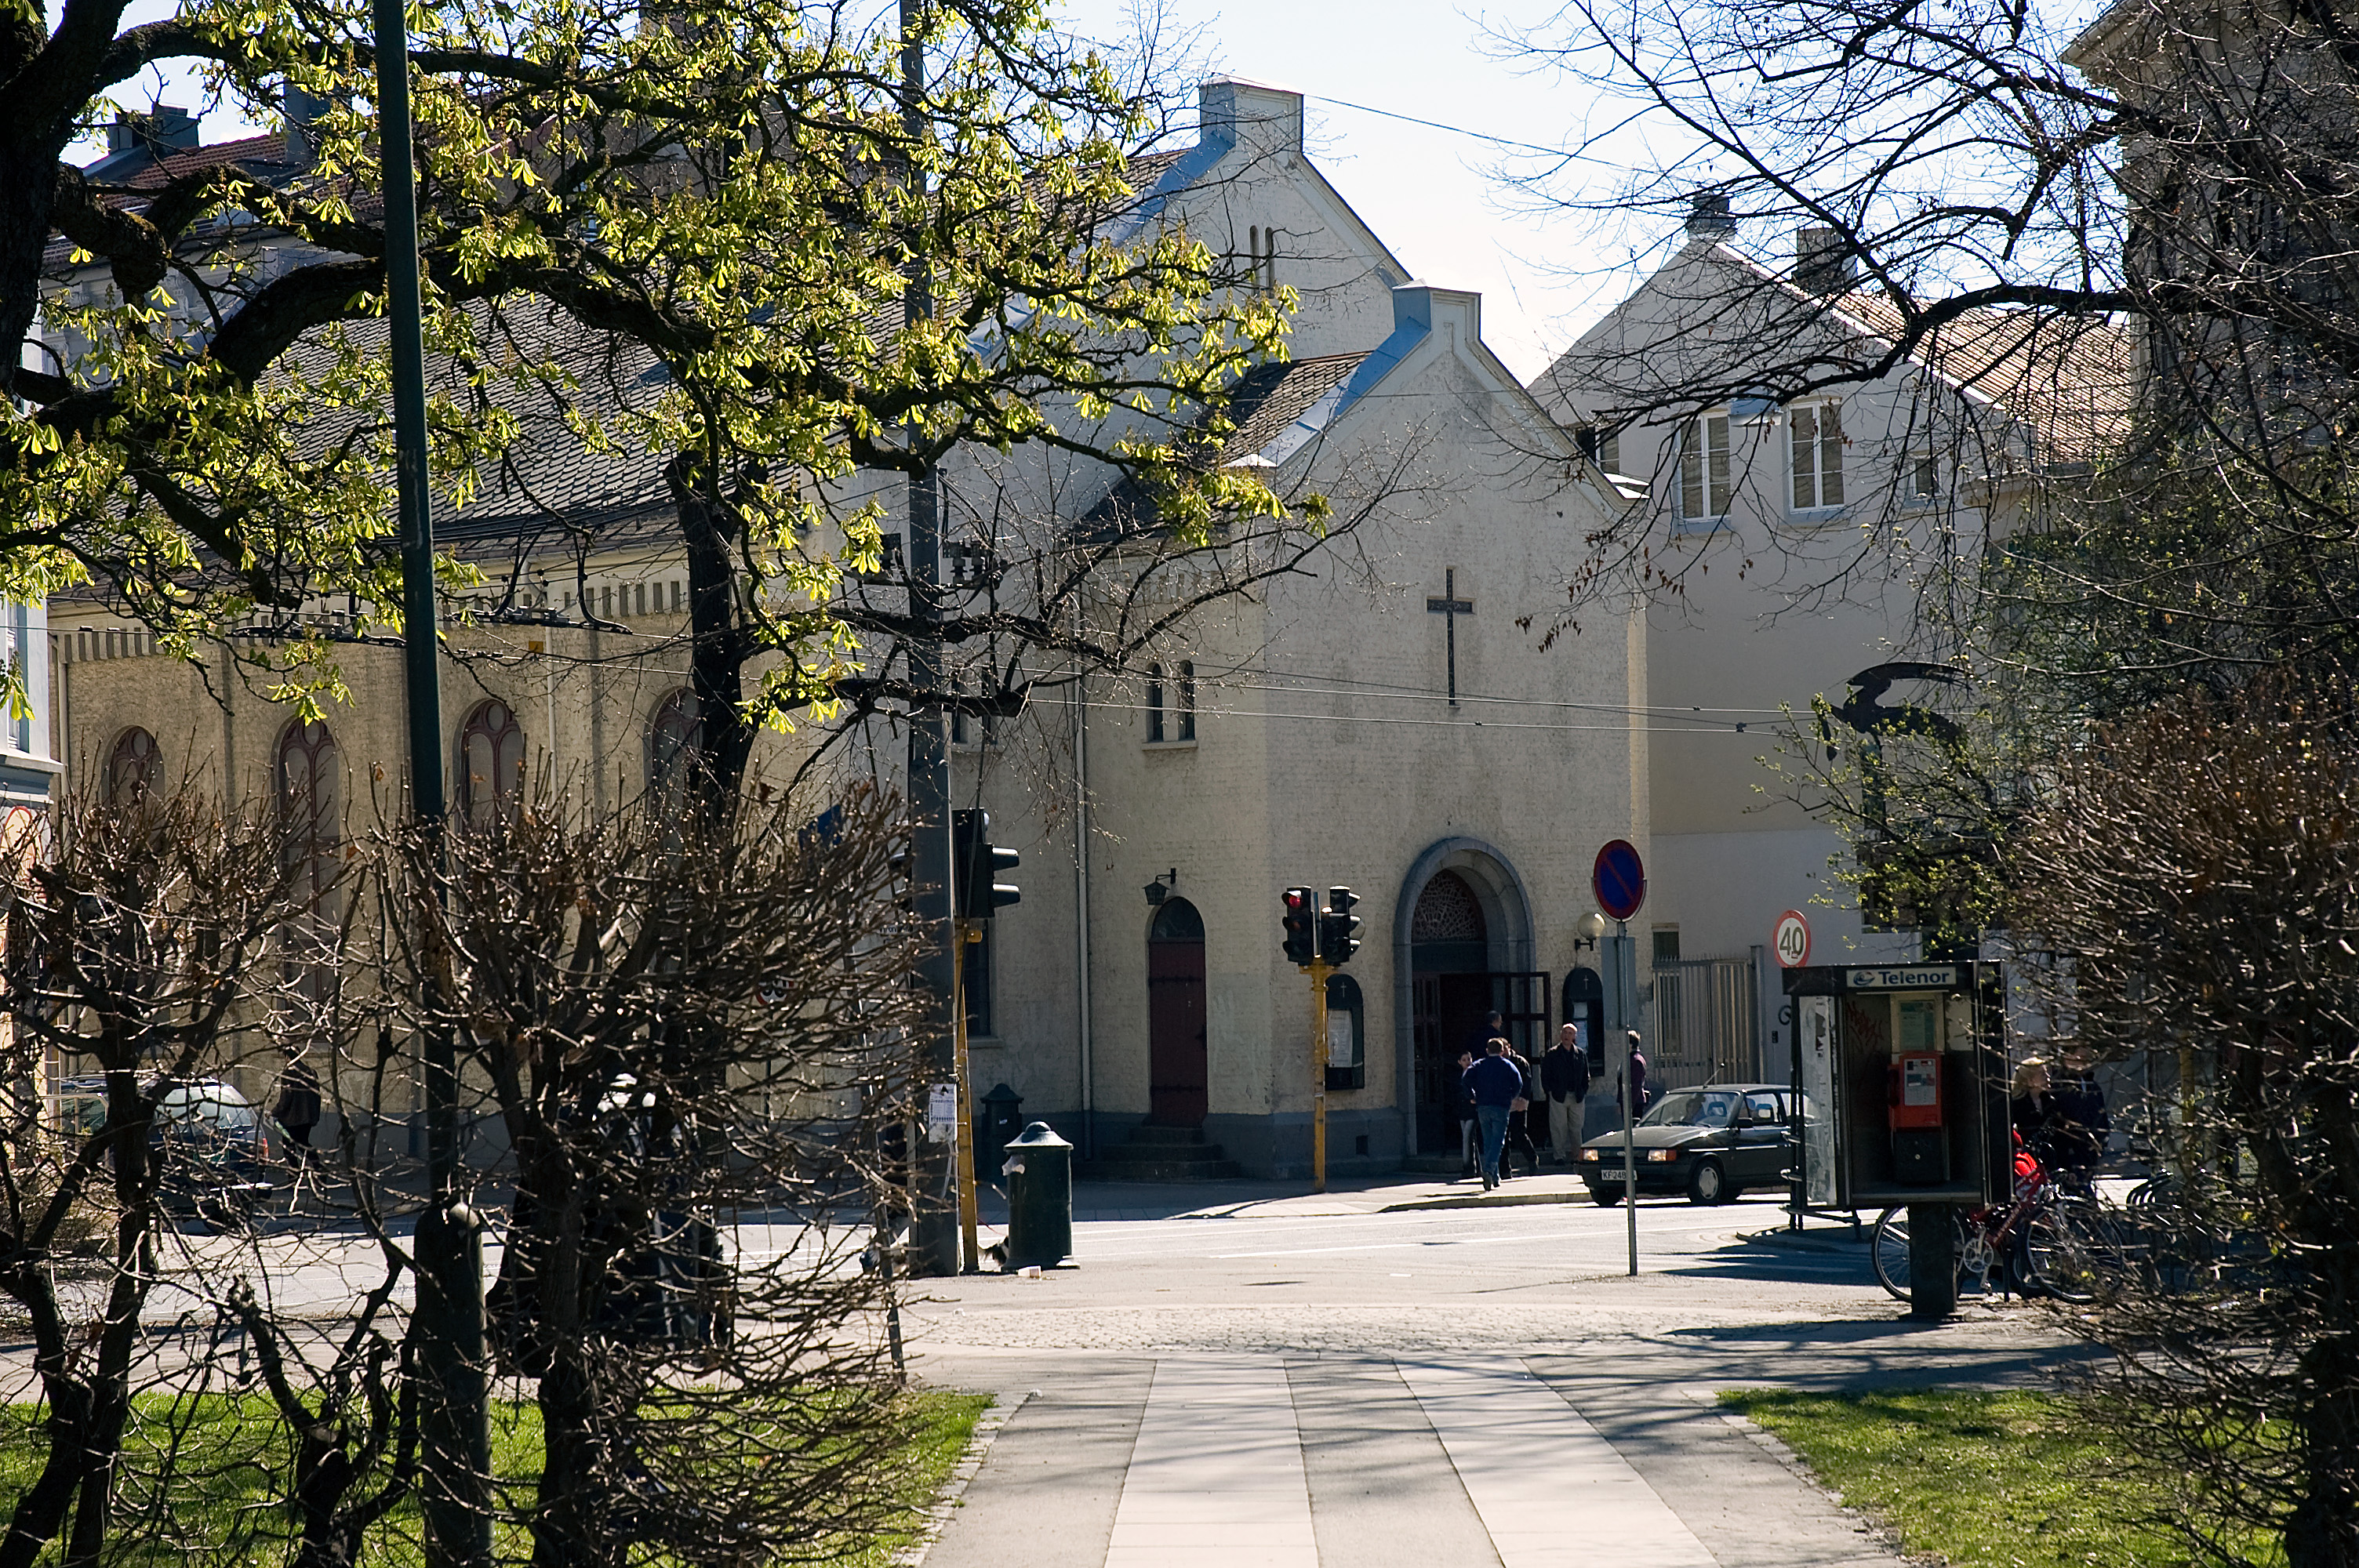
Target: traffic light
1301, 925
1339, 928
976, 864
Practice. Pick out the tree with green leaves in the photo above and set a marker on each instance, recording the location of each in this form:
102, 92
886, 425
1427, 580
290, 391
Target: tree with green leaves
684, 242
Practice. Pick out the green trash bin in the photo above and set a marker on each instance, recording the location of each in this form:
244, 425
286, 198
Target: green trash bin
1039, 1171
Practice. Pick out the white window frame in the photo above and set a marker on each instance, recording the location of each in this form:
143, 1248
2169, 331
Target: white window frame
1814, 458
1920, 483
1707, 468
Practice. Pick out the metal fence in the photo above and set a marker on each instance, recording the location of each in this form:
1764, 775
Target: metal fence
1707, 1023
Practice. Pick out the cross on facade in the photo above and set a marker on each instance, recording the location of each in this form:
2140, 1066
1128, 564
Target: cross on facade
1450, 606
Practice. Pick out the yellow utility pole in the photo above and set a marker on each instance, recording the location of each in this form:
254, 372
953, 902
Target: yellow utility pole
1318, 970
964, 932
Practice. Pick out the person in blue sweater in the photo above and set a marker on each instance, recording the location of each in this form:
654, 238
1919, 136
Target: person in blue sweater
1494, 1084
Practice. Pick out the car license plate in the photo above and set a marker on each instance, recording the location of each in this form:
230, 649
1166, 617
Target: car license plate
1609, 1176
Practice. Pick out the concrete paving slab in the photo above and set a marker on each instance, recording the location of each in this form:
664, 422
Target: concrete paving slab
1383, 1493
1047, 1493
1552, 1492
1218, 1432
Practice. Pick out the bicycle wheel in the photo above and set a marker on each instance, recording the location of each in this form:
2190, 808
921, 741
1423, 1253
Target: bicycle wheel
2070, 1251
1889, 1252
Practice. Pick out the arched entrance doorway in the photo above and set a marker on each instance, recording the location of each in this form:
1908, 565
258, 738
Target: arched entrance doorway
1449, 954
1177, 1079
1463, 946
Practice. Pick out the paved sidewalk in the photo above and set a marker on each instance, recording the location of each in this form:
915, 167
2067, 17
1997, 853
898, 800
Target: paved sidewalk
1246, 1375
1332, 1461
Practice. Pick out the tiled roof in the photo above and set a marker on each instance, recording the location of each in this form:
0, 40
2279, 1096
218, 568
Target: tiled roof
179, 162
2072, 380
1262, 404
1270, 397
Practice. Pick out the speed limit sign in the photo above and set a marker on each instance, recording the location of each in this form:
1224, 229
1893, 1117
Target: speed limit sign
1791, 940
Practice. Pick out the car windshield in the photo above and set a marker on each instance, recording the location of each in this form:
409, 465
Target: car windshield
1691, 1108
217, 1106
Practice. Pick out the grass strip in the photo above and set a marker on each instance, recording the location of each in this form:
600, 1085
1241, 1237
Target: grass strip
1985, 1480
223, 1463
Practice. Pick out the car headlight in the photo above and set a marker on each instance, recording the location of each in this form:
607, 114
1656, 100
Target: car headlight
1663, 1156
1590, 1155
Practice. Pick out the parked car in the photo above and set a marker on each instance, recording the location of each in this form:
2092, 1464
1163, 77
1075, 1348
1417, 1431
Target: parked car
1710, 1143
219, 1154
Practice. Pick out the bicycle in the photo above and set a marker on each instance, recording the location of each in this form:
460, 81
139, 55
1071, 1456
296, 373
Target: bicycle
2047, 1240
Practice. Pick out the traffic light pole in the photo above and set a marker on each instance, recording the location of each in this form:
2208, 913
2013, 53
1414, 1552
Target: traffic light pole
933, 1232
1319, 971
962, 933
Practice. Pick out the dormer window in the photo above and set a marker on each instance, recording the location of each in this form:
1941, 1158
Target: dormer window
1600, 446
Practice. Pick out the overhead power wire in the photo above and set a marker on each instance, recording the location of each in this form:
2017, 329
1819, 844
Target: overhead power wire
1703, 728
1461, 131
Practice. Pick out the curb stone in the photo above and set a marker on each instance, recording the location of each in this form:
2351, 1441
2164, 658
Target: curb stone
1769, 1442
978, 1449
1486, 1200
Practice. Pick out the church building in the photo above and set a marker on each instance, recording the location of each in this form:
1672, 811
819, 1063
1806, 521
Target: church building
1386, 717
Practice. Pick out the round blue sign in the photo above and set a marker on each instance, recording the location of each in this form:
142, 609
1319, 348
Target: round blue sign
1619, 879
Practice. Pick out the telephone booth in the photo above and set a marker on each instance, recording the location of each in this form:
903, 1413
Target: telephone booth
1904, 1085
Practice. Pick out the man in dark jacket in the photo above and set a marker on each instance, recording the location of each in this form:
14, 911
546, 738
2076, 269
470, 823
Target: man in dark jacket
1495, 1084
1564, 1076
1637, 1080
2080, 1105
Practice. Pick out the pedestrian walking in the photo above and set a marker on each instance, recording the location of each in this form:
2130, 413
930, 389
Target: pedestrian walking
1495, 1086
1470, 1136
1519, 1120
1637, 1080
1564, 1078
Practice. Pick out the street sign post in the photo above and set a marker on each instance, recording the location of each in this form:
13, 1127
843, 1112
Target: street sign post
1619, 879
1790, 940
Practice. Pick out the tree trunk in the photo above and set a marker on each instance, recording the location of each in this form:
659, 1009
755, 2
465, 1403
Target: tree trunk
719, 650
28, 184
2323, 1531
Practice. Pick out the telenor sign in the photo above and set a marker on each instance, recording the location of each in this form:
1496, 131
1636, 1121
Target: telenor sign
1903, 979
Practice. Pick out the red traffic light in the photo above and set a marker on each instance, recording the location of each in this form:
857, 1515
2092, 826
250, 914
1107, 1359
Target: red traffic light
1301, 924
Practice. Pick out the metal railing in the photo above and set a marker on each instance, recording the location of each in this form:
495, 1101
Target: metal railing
1706, 1022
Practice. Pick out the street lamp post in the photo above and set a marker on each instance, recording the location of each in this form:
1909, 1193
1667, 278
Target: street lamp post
453, 1416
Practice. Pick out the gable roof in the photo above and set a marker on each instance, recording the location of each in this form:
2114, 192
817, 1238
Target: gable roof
2073, 381
2070, 383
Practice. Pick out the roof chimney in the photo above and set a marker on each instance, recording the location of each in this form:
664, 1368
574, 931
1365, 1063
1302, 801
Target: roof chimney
169, 128
1709, 218
1823, 261
1263, 118
303, 110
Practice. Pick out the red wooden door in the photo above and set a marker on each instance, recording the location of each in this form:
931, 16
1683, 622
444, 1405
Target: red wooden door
1177, 1077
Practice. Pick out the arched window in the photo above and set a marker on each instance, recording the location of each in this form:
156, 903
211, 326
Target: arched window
310, 796
675, 742
491, 765
1447, 911
134, 767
